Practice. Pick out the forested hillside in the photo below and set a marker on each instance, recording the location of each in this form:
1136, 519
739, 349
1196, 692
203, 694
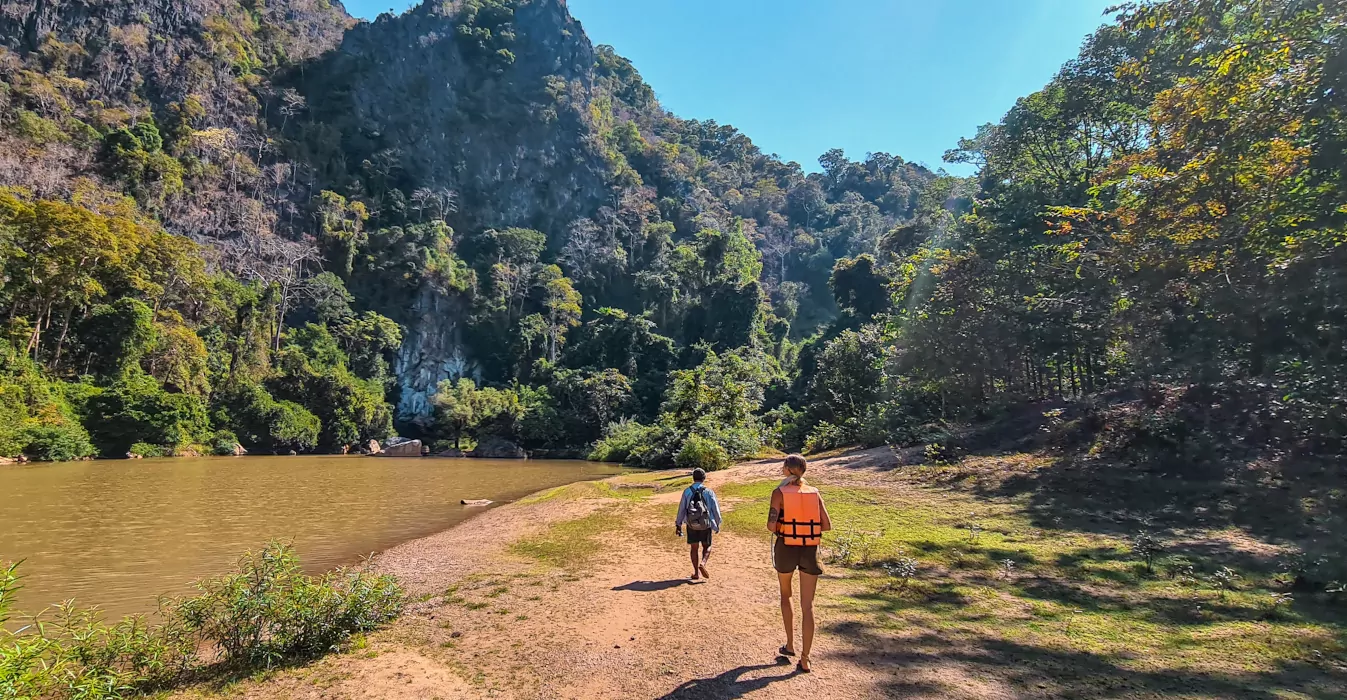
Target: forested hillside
264, 223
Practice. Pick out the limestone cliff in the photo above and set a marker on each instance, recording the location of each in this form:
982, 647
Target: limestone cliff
425, 101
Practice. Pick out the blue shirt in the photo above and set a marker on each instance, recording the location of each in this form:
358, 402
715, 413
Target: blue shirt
712, 506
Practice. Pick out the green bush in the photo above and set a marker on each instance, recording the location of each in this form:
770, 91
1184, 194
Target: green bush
261, 423
266, 613
701, 452
35, 413
142, 449
38, 129
56, 443
222, 445
313, 374
635, 444
135, 409
270, 610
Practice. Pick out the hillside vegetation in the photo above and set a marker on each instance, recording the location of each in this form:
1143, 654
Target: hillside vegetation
265, 223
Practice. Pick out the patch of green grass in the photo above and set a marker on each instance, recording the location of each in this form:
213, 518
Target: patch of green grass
592, 489
1071, 591
571, 544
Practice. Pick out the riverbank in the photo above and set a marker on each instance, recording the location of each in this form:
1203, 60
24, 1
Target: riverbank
580, 592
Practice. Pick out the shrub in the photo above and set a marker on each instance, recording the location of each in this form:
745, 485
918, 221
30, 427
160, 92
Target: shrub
136, 409
75, 654
262, 423
701, 452
142, 449
826, 436
270, 610
633, 443
222, 445
56, 443
267, 612
941, 454
1147, 548
38, 129
853, 547
901, 572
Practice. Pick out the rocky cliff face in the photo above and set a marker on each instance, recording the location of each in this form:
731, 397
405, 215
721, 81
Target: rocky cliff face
448, 98
426, 107
154, 52
432, 352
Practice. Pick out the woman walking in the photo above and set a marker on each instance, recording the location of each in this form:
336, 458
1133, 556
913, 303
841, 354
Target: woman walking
798, 519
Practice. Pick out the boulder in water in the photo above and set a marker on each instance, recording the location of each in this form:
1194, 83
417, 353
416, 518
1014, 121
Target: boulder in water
452, 452
373, 447
497, 448
475, 502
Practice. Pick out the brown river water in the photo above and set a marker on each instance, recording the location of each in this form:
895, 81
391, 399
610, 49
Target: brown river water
118, 534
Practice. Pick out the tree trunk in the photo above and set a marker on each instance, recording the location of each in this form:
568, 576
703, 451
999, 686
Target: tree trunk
60, 344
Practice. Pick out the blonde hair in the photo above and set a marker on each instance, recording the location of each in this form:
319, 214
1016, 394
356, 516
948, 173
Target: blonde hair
796, 466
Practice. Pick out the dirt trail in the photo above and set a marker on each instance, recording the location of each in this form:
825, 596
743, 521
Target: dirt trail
628, 624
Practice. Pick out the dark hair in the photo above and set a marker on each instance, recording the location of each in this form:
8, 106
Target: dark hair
699, 474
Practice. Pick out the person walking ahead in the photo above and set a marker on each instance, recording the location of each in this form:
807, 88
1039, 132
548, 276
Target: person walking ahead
798, 519
700, 510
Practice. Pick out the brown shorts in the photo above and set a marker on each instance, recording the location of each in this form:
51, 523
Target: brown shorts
787, 558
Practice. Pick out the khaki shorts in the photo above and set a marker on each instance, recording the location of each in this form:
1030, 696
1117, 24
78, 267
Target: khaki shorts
787, 558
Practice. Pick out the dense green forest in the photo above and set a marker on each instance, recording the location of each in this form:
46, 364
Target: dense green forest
220, 226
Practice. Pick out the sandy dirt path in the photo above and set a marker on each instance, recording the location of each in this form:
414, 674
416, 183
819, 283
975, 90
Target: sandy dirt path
488, 622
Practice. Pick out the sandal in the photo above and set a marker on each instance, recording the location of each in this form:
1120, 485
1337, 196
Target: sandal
785, 651
799, 666
704, 572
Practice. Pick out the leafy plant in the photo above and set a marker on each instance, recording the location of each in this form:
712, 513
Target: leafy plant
1225, 579
901, 572
941, 454
270, 610
141, 449
266, 612
1147, 547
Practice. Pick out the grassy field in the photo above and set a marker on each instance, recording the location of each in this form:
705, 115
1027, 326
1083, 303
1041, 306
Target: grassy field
968, 577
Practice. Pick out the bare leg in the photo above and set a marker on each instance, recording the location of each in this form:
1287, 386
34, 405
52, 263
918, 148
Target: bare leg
787, 615
808, 584
706, 554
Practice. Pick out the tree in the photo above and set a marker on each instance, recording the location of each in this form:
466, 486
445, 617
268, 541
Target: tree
859, 286
463, 409
561, 304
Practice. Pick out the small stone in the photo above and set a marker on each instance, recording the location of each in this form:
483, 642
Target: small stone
617, 646
456, 635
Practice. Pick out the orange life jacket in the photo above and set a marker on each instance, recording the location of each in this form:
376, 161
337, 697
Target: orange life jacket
801, 523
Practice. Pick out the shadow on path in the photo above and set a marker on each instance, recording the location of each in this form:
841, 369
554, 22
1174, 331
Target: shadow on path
727, 685
652, 586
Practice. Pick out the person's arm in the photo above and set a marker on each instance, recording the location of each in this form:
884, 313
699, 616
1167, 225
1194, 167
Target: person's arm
682, 512
823, 508
774, 511
713, 506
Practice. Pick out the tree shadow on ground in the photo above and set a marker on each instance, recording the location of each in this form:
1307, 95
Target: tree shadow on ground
728, 684
653, 586
1027, 671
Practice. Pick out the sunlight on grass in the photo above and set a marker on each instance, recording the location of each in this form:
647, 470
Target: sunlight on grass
1065, 590
571, 544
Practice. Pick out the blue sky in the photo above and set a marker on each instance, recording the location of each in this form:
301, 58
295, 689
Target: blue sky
801, 76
